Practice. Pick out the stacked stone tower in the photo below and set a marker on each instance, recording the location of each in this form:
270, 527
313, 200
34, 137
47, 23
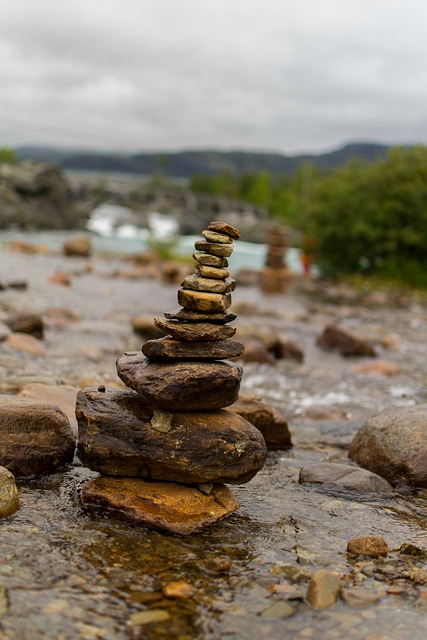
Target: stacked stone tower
274, 277
168, 442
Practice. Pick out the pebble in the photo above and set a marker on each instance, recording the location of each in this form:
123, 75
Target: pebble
344, 476
148, 617
358, 597
25, 343
9, 501
323, 589
277, 611
368, 546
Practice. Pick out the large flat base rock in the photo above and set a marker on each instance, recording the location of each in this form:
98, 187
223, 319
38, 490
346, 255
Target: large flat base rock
181, 386
163, 505
120, 436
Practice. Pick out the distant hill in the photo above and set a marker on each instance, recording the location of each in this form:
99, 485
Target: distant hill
186, 164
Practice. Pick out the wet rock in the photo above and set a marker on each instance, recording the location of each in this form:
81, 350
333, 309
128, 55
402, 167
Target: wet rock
35, 438
189, 315
143, 325
32, 324
323, 589
379, 368
78, 246
181, 386
416, 551
204, 301
334, 338
178, 590
394, 445
9, 501
277, 611
255, 351
149, 616
368, 546
164, 505
4, 331
344, 476
168, 348
61, 395
268, 420
357, 597
25, 343
191, 332
165, 446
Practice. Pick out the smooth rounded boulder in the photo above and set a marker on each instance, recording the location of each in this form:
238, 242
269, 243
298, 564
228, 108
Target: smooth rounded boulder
35, 437
188, 447
9, 501
394, 445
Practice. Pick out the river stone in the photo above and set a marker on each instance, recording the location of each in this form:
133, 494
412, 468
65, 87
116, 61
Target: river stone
344, 476
323, 589
9, 501
215, 273
208, 260
168, 349
357, 597
335, 338
368, 546
214, 236
4, 331
192, 332
31, 323
25, 343
181, 386
35, 437
212, 285
189, 447
214, 248
187, 315
394, 445
268, 420
203, 301
224, 227
163, 505
60, 395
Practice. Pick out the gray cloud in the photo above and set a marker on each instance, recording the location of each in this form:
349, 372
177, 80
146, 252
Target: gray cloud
285, 75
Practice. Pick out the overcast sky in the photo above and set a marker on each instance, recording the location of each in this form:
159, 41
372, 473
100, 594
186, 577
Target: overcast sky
267, 75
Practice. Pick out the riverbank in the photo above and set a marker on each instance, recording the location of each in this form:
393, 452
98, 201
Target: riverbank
67, 574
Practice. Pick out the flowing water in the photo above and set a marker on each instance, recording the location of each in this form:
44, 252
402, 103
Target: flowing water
66, 574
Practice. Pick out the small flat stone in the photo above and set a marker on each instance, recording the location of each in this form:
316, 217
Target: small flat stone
214, 236
203, 301
181, 386
344, 476
277, 611
224, 227
188, 315
357, 597
368, 546
214, 248
207, 271
323, 589
170, 349
163, 505
209, 260
211, 285
192, 332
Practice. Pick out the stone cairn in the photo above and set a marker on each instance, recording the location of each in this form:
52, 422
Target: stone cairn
275, 277
166, 446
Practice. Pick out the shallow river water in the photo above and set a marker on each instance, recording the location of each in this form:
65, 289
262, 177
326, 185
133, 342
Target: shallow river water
66, 574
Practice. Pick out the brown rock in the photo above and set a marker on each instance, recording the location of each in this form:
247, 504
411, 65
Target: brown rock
394, 445
207, 271
344, 476
368, 546
188, 315
189, 447
143, 325
194, 332
198, 283
357, 597
323, 589
214, 236
171, 507
167, 349
214, 248
334, 338
178, 589
35, 437
9, 501
26, 323
379, 368
270, 422
209, 260
255, 351
224, 227
62, 396
182, 386
202, 301
25, 343
79, 246
61, 278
